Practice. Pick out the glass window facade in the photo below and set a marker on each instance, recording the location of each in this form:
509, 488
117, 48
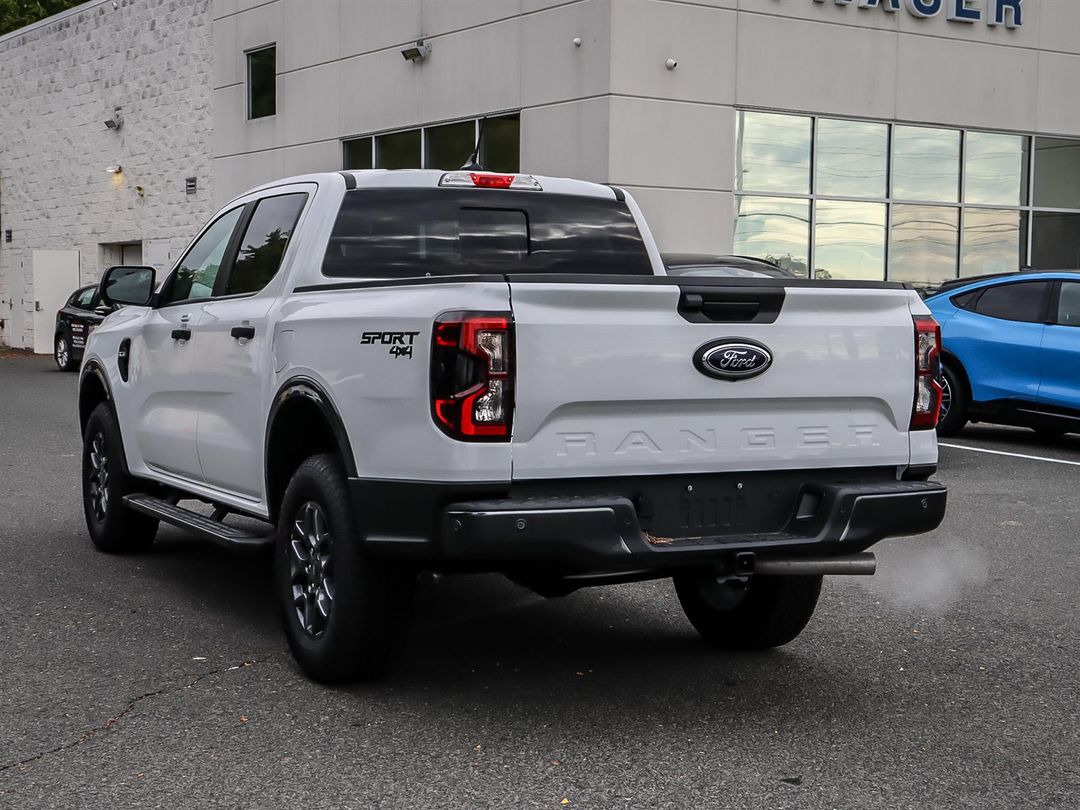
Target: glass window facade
849, 199
852, 158
446, 146
774, 153
775, 228
926, 164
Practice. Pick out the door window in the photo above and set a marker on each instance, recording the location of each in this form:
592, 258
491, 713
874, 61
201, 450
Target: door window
264, 243
84, 299
198, 270
1069, 304
1014, 302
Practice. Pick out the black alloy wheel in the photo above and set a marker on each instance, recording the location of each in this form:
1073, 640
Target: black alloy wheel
311, 571
98, 478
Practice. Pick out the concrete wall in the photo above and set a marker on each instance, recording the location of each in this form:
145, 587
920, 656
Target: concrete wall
341, 73
60, 80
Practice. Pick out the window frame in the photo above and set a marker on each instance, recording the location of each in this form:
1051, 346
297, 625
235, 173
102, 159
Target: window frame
249, 86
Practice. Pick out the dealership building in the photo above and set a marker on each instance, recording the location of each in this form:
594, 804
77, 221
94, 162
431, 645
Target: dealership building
914, 140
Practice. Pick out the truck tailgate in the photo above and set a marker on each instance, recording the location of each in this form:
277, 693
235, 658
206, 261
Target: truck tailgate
607, 383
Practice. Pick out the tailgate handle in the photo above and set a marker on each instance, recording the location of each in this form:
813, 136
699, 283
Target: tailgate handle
731, 305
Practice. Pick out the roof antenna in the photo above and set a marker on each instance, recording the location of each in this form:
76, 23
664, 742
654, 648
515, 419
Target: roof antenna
473, 163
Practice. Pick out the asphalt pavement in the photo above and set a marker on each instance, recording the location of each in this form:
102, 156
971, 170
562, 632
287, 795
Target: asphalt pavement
950, 679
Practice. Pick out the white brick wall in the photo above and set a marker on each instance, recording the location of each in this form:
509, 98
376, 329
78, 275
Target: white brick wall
60, 80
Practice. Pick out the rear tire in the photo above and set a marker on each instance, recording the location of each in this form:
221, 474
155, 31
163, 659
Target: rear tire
113, 527
62, 354
759, 614
955, 395
345, 614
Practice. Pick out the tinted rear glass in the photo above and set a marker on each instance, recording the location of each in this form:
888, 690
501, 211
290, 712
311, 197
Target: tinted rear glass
966, 300
1014, 302
389, 233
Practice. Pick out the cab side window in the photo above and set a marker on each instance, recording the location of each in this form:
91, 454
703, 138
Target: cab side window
195, 276
263, 244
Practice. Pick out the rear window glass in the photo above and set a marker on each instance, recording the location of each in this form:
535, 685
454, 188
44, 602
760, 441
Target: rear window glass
388, 233
84, 299
1014, 302
966, 300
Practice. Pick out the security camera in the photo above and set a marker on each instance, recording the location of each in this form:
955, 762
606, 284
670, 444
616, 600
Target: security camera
417, 52
116, 121
671, 64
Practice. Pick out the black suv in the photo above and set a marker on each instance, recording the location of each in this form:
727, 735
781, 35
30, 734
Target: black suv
74, 323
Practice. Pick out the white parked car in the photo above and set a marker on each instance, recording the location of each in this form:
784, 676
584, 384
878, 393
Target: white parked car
468, 371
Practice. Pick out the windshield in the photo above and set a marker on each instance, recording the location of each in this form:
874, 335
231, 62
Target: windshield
388, 233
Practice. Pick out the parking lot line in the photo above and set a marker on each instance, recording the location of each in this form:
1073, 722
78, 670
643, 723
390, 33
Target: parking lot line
1011, 455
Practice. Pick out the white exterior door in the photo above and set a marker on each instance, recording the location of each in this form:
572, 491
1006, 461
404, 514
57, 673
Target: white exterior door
56, 276
16, 307
161, 404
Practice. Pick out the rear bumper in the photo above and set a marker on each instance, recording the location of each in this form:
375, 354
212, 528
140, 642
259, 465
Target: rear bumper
625, 531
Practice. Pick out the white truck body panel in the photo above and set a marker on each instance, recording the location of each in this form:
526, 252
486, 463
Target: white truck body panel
383, 399
628, 397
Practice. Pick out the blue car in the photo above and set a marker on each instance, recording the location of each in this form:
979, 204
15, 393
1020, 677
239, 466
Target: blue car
1011, 351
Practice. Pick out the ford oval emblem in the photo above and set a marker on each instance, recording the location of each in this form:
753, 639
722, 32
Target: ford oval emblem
732, 359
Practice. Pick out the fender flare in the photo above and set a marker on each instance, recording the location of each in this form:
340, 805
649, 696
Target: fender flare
308, 388
92, 368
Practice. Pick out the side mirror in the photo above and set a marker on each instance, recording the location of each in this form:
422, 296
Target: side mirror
133, 286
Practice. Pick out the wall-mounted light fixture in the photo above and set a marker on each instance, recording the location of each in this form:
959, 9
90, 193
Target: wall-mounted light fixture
114, 169
417, 52
116, 121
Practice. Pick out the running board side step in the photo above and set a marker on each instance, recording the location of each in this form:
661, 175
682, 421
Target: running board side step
207, 528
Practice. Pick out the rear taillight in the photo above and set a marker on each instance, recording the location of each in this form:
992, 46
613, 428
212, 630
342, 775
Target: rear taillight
472, 375
927, 406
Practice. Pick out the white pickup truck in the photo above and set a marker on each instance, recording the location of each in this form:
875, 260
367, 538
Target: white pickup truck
466, 371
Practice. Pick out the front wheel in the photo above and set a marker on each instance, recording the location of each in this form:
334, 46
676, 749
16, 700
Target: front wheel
62, 354
112, 525
345, 613
748, 613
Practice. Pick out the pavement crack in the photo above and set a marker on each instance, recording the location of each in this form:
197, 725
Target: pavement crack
188, 683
